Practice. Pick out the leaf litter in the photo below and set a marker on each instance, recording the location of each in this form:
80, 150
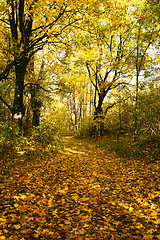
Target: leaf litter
82, 193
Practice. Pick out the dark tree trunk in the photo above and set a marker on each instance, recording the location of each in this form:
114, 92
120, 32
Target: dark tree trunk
99, 122
18, 105
99, 115
18, 110
36, 105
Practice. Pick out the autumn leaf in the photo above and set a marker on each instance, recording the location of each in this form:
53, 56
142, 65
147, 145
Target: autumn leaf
94, 194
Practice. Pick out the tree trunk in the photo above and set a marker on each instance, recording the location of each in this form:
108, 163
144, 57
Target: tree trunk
136, 109
18, 105
18, 109
36, 105
99, 116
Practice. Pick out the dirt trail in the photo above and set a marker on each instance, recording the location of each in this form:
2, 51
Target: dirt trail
84, 192
126, 193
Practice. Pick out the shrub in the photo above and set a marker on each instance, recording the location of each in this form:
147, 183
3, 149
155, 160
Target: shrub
145, 149
86, 128
48, 135
8, 139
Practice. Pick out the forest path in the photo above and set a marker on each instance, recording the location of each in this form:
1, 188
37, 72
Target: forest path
84, 192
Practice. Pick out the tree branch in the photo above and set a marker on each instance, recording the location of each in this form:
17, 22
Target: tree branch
9, 107
107, 108
36, 84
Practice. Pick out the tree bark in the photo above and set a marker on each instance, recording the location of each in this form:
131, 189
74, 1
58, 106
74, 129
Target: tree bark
18, 105
36, 105
99, 115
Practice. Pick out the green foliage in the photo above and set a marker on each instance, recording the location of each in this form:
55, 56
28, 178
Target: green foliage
48, 137
149, 112
148, 150
86, 128
11, 141
8, 138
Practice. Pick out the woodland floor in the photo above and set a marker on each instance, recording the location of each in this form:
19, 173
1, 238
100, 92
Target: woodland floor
84, 192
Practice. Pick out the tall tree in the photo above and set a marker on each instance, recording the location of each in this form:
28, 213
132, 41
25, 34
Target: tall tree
145, 36
105, 51
30, 30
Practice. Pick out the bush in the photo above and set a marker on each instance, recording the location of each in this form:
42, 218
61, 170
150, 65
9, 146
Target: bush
48, 137
8, 139
11, 141
146, 149
86, 128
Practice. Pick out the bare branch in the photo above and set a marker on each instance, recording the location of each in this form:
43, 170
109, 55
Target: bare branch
9, 107
5, 21
107, 108
36, 84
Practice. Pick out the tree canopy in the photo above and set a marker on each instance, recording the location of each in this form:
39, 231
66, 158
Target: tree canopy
83, 53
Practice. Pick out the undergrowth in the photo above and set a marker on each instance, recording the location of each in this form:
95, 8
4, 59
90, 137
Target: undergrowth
148, 150
42, 138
